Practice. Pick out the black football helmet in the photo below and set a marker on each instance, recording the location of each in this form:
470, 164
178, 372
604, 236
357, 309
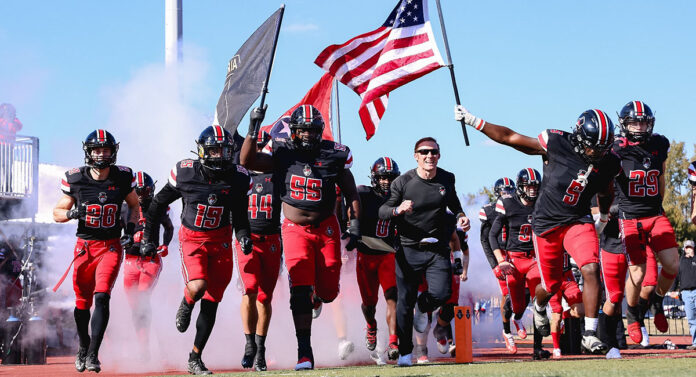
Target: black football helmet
214, 137
306, 117
144, 186
636, 111
502, 186
528, 178
383, 167
593, 135
100, 139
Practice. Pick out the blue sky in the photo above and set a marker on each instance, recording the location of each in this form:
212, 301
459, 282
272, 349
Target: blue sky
530, 65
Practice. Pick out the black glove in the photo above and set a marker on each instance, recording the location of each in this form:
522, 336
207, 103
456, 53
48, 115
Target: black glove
353, 233
148, 249
247, 246
79, 212
255, 119
127, 237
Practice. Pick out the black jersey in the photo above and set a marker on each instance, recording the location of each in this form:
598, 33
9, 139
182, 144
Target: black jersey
431, 199
370, 223
610, 239
567, 187
140, 227
487, 215
264, 205
208, 202
518, 218
639, 185
308, 177
102, 198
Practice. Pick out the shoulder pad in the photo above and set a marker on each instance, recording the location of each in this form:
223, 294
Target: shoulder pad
186, 164
482, 214
242, 169
124, 168
73, 175
339, 147
500, 206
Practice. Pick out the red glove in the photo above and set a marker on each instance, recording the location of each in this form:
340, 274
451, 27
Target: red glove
163, 251
499, 274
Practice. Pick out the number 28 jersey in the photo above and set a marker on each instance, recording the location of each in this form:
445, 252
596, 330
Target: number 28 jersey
566, 188
308, 178
102, 198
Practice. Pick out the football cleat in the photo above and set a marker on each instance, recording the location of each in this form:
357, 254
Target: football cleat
405, 361
541, 322
440, 334
260, 360
521, 331
304, 363
393, 351
249, 355
316, 310
371, 338
196, 366
541, 354
376, 356
81, 359
659, 317
646, 337
510, 343
92, 364
613, 353
634, 332
556, 353
592, 344
345, 348
183, 316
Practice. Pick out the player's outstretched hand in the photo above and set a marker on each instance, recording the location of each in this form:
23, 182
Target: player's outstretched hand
247, 246
460, 112
463, 223
506, 268
498, 273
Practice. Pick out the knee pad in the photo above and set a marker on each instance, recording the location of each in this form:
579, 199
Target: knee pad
101, 299
447, 312
667, 275
301, 299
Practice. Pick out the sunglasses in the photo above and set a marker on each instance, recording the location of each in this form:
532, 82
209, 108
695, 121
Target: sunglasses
424, 152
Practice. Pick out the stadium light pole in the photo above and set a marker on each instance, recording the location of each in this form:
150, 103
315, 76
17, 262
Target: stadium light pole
173, 32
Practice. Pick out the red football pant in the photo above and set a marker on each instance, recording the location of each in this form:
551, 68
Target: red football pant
373, 271
650, 278
96, 270
207, 256
569, 290
614, 269
578, 239
140, 275
526, 271
259, 270
313, 256
638, 234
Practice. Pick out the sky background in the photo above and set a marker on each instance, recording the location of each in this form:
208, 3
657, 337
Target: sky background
71, 67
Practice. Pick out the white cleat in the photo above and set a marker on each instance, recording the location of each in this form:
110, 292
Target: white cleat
613, 353
556, 353
345, 348
646, 337
376, 356
405, 361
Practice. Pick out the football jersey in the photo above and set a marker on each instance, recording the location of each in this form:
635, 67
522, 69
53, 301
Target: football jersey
138, 232
639, 185
102, 198
370, 223
307, 179
692, 173
518, 218
206, 203
566, 187
264, 205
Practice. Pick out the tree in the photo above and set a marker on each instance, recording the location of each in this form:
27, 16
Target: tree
485, 192
677, 195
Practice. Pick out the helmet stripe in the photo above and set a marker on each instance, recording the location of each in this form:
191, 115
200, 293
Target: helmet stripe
506, 181
101, 136
219, 133
603, 132
387, 164
532, 175
639, 108
307, 113
141, 182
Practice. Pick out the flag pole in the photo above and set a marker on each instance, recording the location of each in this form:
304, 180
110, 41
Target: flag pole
451, 67
264, 90
338, 114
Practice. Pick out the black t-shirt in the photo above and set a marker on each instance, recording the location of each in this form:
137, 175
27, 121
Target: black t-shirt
264, 204
518, 218
431, 199
370, 223
564, 196
639, 185
103, 200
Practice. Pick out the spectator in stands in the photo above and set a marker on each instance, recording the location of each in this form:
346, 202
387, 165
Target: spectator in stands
9, 125
685, 284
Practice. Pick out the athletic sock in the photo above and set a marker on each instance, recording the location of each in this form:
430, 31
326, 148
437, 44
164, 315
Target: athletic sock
506, 327
393, 339
304, 342
82, 317
556, 337
591, 324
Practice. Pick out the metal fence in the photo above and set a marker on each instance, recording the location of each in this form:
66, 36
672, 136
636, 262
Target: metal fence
19, 172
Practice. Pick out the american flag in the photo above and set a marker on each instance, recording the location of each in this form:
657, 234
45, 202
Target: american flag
375, 63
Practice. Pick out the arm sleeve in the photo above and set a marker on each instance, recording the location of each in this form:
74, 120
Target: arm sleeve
239, 211
168, 230
386, 211
485, 230
157, 210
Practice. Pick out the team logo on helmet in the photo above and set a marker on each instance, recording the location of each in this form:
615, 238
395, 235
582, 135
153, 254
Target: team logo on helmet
258, 187
329, 231
307, 171
212, 199
442, 190
102, 197
647, 163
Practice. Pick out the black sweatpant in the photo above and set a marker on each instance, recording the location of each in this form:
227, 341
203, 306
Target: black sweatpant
411, 265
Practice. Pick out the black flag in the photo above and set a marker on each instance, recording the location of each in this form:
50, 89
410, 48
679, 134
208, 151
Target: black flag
246, 73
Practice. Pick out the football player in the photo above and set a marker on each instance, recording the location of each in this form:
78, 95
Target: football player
570, 292
215, 193
579, 167
310, 168
93, 195
259, 270
642, 220
140, 274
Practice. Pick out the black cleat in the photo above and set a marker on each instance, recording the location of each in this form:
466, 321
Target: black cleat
260, 360
93, 364
541, 354
81, 359
196, 366
183, 316
249, 354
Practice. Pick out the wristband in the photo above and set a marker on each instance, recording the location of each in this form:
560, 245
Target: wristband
395, 211
458, 255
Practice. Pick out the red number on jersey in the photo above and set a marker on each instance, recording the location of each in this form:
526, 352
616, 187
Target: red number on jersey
573, 193
99, 216
643, 183
208, 216
303, 188
525, 233
263, 206
382, 228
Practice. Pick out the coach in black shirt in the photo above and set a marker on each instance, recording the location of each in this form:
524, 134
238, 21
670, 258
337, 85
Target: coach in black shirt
418, 205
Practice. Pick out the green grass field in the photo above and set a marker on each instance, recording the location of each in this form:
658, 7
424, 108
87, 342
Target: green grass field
634, 367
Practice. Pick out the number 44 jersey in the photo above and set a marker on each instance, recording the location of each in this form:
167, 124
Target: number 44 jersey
569, 182
264, 205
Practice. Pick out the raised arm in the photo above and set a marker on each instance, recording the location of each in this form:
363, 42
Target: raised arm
248, 156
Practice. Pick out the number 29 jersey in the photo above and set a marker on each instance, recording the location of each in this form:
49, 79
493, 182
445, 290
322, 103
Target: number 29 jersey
566, 188
308, 178
102, 198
